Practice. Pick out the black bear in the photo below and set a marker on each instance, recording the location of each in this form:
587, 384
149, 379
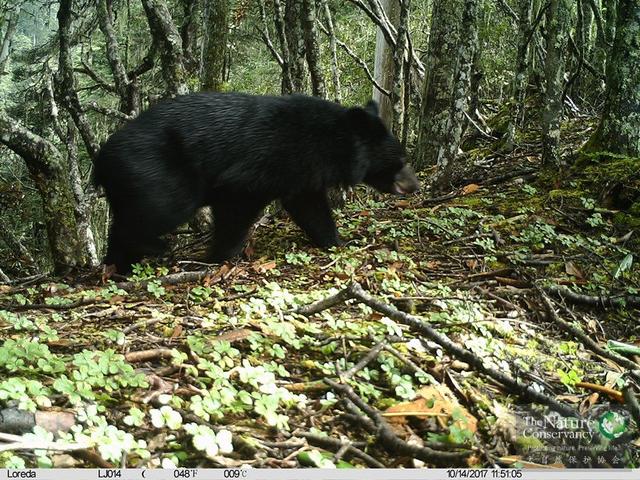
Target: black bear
237, 153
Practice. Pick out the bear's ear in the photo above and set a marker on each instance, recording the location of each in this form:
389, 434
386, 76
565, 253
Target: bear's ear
372, 108
359, 118
364, 122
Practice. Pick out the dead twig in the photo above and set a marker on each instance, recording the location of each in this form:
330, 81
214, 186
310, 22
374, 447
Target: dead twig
347, 448
355, 291
601, 301
634, 368
390, 441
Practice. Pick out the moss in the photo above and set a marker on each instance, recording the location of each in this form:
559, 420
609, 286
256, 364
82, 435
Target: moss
566, 193
626, 220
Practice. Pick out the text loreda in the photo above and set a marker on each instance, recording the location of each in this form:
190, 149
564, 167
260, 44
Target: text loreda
21, 474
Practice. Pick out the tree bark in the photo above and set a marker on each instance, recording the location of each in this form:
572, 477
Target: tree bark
401, 81
215, 44
67, 93
619, 129
312, 49
383, 66
335, 68
519, 84
448, 170
5, 46
440, 70
49, 174
557, 34
285, 58
81, 205
295, 41
126, 89
166, 35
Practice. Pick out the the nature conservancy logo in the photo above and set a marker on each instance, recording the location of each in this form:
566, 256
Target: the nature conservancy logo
612, 425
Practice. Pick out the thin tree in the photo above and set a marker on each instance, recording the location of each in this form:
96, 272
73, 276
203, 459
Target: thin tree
447, 166
383, 67
619, 129
215, 44
439, 78
558, 17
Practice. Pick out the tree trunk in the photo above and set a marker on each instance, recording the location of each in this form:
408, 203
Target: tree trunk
295, 41
215, 44
312, 49
5, 46
383, 67
285, 58
401, 81
557, 32
68, 96
81, 204
440, 68
519, 84
448, 171
127, 90
335, 68
166, 35
49, 174
619, 129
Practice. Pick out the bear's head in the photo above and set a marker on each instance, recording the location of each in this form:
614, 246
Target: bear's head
380, 158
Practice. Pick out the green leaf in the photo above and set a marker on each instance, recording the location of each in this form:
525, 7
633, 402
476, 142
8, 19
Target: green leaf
625, 265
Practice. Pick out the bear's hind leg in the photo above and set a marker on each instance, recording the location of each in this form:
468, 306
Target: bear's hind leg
312, 213
232, 220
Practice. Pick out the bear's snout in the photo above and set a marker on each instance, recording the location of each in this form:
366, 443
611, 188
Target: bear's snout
405, 181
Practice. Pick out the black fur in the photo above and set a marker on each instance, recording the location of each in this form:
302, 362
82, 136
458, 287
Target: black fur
237, 153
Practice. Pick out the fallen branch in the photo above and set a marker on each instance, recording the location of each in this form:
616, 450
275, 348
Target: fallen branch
634, 368
171, 279
350, 451
355, 291
632, 403
46, 306
390, 441
601, 301
17, 442
148, 355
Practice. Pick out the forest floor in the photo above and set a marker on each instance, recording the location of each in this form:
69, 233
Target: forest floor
460, 330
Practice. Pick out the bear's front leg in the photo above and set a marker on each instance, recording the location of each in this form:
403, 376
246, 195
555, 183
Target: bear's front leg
312, 213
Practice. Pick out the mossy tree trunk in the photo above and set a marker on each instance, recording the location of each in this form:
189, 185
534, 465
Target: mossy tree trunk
383, 66
312, 48
295, 41
215, 44
440, 68
558, 18
519, 84
619, 129
50, 176
448, 169
166, 36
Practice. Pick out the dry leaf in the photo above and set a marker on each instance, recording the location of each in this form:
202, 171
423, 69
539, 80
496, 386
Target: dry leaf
572, 269
217, 276
177, 331
233, 335
433, 401
471, 188
505, 423
471, 263
264, 267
